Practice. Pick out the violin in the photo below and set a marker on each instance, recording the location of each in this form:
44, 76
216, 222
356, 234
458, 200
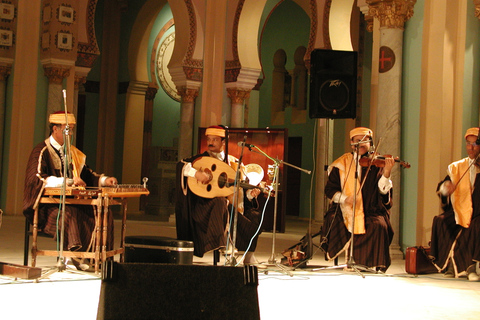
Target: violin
379, 161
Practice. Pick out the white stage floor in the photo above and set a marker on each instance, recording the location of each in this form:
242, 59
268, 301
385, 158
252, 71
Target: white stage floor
282, 294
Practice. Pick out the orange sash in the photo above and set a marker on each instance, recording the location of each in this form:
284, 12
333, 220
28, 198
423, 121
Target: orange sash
346, 166
462, 196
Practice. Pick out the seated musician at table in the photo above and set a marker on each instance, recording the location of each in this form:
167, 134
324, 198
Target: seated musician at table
205, 220
45, 169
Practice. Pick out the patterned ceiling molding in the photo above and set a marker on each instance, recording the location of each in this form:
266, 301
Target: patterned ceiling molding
156, 45
88, 52
193, 68
91, 46
326, 25
232, 67
313, 32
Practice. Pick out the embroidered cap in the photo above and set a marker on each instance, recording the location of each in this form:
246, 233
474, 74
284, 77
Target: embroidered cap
59, 118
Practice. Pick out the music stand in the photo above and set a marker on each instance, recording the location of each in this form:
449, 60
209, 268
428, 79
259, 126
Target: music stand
350, 263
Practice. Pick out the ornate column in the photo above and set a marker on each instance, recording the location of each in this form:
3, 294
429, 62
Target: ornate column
187, 108
58, 48
238, 96
392, 15
8, 25
4, 73
55, 75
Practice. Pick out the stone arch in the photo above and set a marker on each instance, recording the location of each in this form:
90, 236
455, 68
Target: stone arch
137, 91
186, 63
138, 45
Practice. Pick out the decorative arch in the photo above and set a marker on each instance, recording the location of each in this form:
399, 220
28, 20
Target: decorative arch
185, 66
138, 46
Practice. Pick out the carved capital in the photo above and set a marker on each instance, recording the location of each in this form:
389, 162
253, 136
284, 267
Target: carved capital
238, 95
187, 94
56, 73
5, 72
79, 80
477, 8
151, 93
391, 13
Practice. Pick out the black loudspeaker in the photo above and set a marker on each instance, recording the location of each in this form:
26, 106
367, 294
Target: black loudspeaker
333, 84
169, 291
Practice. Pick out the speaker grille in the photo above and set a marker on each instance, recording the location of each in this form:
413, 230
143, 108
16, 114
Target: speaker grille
334, 95
333, 84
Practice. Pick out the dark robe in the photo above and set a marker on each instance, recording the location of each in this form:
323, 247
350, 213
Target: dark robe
466, 248
204, 220
79, 220
372, 248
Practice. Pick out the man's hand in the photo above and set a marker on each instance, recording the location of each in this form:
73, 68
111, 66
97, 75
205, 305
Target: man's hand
255, 192
449, 187
77, 181
203, 177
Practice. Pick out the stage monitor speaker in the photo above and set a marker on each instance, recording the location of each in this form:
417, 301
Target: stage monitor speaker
333, 84
171, 291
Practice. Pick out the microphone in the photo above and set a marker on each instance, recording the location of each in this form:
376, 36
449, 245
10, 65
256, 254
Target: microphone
243, 144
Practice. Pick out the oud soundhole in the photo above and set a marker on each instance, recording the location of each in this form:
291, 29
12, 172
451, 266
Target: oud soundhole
222, 180
214, 167
209, 187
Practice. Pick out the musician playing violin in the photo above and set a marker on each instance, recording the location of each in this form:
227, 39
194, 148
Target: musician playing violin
373, 232
45, 169
455, 245
205, 220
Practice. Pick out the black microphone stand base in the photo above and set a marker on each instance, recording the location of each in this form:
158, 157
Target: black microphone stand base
61, 265
350, 266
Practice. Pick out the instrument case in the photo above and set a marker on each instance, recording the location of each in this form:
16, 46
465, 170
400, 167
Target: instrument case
157, 249
417, 261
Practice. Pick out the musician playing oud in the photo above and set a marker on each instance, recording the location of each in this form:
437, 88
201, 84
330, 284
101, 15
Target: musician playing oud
205, 220
45, 169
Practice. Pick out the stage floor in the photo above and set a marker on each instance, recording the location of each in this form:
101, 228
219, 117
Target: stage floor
283, 293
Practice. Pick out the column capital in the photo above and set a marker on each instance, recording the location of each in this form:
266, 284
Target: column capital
79, 81
391, 13
477, 8
151, 93
187, 94
5, 71
364, 8
238, 95
56, 73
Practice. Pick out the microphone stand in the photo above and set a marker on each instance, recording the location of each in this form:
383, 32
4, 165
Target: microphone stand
66, 160
233, 261
277, 163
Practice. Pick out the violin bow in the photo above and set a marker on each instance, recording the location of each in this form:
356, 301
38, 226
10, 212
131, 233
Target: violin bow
468, 169
369, 165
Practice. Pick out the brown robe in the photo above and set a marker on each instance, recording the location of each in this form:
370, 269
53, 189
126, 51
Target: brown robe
450, 239
204, 221
371, 249
79, 220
